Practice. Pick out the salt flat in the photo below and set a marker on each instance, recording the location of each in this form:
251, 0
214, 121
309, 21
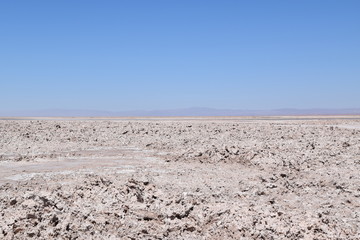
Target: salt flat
180, 178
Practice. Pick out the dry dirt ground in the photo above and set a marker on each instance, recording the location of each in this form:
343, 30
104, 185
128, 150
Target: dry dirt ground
232, 178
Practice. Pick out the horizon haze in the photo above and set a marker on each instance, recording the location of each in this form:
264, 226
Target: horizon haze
186, 112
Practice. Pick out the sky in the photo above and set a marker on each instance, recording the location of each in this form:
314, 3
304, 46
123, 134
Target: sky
169, 54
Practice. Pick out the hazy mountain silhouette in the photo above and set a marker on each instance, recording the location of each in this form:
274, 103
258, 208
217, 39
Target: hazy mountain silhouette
198, 111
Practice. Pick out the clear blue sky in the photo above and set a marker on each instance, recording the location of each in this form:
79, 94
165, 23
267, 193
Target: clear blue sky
122, 55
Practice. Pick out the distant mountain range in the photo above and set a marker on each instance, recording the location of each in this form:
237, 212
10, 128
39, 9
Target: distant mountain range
179, 112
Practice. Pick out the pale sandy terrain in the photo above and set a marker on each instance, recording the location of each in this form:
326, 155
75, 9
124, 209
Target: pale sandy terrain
163, 178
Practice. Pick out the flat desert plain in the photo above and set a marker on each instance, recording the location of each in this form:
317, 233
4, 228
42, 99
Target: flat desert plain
180, 178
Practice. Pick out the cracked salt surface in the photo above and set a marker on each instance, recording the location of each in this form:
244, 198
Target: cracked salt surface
208, 179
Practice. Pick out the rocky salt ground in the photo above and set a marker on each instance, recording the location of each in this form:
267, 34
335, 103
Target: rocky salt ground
199, 179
